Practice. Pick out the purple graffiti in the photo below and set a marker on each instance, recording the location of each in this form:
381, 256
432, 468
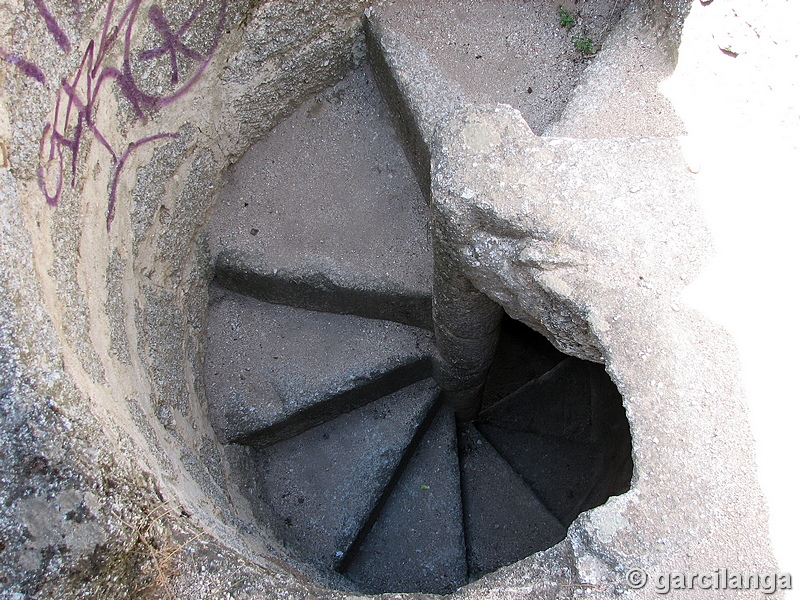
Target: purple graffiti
172, 41
112, 197
27, 67
52, 26
52, 199
78, 99
139, 98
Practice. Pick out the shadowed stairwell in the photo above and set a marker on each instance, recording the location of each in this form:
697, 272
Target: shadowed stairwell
320, 362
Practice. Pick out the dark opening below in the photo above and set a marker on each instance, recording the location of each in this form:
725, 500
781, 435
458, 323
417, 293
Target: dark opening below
397, 496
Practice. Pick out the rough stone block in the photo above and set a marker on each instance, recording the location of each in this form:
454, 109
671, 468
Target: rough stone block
273, 371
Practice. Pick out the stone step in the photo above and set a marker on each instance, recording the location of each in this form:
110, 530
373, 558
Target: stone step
433, 58
563, 474
322, 484
618, 95
522, 355
324, 213
417, 542
274, 371
558, 404
504, 520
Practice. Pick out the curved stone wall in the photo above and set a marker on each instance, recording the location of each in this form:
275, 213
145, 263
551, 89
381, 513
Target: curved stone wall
117, 123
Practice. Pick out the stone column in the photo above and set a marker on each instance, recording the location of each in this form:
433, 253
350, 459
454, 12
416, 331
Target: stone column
467, 327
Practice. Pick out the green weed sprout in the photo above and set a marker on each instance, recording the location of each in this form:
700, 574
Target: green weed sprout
567, 19
584, 45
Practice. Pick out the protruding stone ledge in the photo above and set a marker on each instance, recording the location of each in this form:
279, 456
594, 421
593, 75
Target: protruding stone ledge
591, 242
533, 220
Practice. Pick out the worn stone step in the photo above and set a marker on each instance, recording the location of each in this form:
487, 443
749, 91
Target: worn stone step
504, 520
274, 371
432, 58
325, 213
417, 542
618, 95
562, 473
323, 483
559, 403
522, 355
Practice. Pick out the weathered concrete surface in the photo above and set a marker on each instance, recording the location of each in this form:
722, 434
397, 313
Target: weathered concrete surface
523, 204
510, 52
618, 94
325, 213
434, 57
274, 371
417, 542
597, 238
72, 502
106, 437
76, 300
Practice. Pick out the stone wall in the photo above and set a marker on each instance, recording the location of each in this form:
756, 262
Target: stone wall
666, 17
117, 123
590, 242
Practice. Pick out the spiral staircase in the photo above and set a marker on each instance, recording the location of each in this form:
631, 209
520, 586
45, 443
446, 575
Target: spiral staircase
320, 362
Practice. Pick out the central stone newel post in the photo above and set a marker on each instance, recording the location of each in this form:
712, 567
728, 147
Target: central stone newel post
466, 321
467, 327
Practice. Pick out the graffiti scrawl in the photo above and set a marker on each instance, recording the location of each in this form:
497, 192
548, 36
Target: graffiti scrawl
77, 99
